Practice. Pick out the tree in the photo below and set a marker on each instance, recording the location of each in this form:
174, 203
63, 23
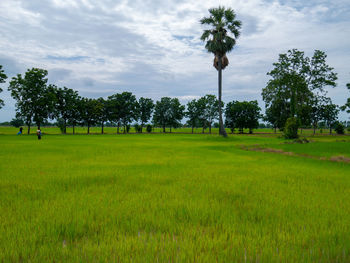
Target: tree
330, 115
102, 114
297, 83
122, 108
145, 109
218, 41
192, 113
209, 109
91, 110
65, 103
177, 112
242, 115
3, 78
168, 112
33, 100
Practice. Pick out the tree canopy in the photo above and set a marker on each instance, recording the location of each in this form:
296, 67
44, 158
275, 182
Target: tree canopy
3, 78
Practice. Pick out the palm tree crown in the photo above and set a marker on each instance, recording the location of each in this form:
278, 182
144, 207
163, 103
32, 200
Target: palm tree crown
222, 21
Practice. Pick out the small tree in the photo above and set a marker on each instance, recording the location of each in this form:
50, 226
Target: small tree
291, 129
192, 113
339, 128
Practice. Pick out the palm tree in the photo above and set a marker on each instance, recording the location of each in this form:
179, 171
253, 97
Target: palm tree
222, 21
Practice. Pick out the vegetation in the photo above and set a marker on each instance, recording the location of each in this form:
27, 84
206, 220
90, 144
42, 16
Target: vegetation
291, 129
297, 88
220, 39
155, 197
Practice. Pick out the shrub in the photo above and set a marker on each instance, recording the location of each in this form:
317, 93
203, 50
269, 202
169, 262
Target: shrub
291, 128
149, 128
137, 128
339, 128
60, 124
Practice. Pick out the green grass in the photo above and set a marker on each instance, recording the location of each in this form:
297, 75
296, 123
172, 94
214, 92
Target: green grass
171, 197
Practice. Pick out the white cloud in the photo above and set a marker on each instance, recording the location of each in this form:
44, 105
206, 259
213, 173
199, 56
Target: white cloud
152, 47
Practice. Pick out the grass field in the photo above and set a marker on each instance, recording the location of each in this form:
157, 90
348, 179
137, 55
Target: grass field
173, 198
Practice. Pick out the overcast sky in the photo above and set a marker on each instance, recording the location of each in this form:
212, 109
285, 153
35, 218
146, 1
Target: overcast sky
152, 47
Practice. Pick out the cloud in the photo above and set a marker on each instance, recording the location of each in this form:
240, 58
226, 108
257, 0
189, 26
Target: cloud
152, 47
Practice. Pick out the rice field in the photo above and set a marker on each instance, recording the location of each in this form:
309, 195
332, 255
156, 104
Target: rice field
173, 198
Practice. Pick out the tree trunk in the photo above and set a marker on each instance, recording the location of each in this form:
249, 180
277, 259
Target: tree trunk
170, 129
192, 129
164, 128
73, 129
314, 129
118, 126
65, 127
141, 126
210, 128
88, 132
28, 132
275, 129
222, 130
102, 127
301, 130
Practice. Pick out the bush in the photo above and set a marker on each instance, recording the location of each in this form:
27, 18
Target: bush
339, 128
60, 124
137, 128
149, 128
291, 128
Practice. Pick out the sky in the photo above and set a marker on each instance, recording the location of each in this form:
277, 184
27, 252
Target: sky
152, 48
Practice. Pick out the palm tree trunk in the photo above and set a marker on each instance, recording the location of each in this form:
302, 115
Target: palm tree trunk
222, 130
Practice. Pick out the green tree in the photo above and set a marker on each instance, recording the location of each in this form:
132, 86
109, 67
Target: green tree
296, 83
242, 115
91, 110
168, 113
65, 101
330, 115
209, 109
145, 109
192, 113
220, 40
33, 100
3, 78
122, 109
102, 113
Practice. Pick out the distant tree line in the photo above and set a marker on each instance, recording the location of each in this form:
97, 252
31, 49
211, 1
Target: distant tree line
295, 92
37, 102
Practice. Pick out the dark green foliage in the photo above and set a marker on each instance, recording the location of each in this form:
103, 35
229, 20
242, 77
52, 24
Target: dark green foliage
330, 115
16, 122
297, 88
291, 129
3, 78
242, 115
122, 109
144, 110
65, 105
168, 113
149, 128
138, 128
208, 110
62, 125
339, 128
193, 113
34, 101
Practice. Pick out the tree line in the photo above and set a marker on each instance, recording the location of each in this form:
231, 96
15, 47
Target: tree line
37, 101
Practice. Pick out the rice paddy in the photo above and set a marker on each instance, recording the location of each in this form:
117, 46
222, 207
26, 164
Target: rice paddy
172, 198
